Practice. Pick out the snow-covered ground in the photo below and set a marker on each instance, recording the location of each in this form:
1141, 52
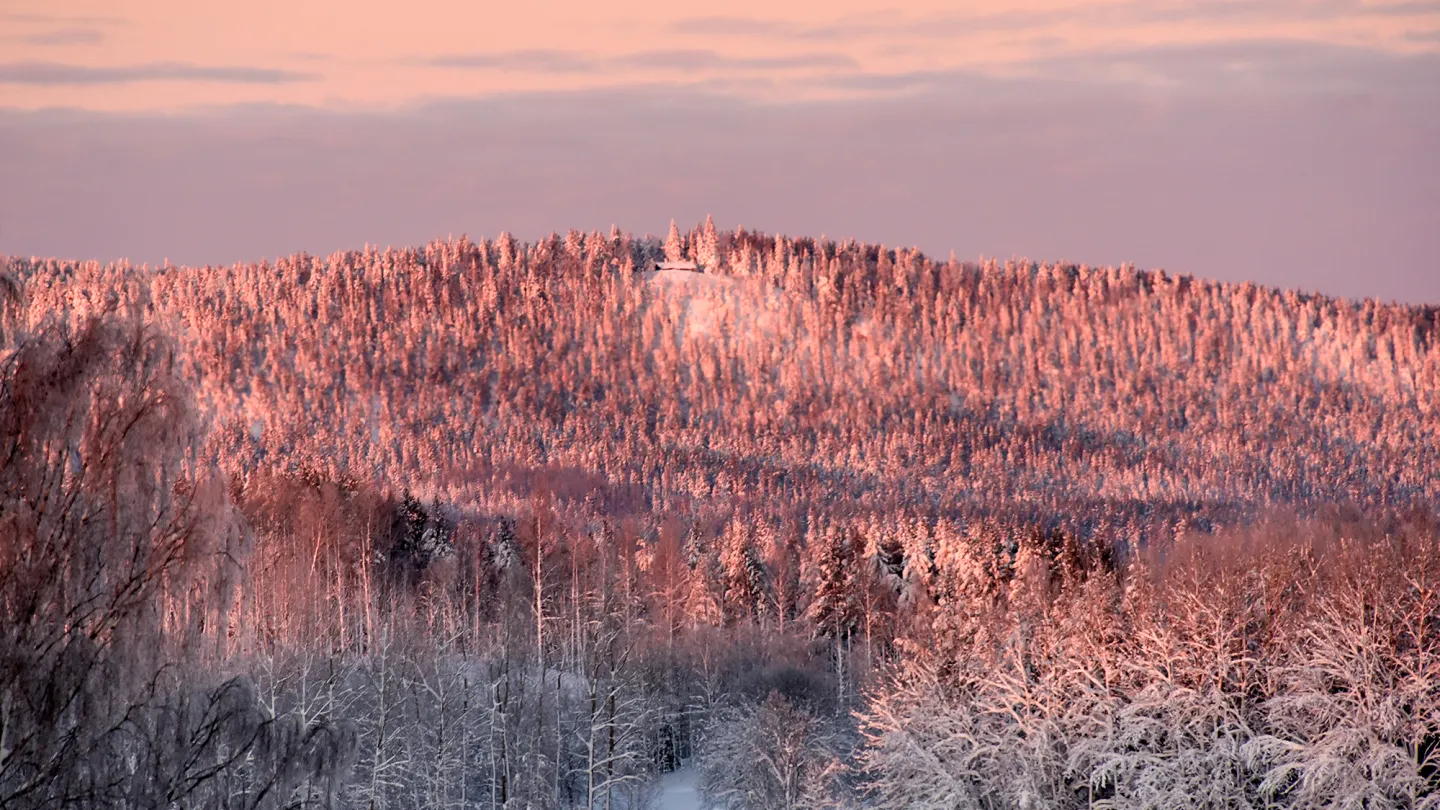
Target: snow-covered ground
705, 301
678, 791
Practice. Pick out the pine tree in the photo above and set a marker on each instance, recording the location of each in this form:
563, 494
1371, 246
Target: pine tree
834, 612
674, 245
836, 609
747, 586
707, 249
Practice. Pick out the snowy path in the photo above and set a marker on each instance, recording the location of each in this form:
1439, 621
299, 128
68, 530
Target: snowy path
678, 791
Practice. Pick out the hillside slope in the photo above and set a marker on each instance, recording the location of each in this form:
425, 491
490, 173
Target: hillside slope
795, 376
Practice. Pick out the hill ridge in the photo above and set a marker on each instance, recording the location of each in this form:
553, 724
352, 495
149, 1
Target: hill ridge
880, 379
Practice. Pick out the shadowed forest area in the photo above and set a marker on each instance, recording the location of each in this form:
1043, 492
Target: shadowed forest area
501, 525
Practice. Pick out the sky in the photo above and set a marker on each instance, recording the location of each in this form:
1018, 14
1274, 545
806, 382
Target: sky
1289, 142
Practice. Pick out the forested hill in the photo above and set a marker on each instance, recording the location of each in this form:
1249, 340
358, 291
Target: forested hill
791, 377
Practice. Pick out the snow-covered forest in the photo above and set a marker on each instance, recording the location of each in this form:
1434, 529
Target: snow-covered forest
501, 525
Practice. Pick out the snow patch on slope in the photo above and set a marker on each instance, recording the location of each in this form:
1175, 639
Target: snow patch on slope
713, 306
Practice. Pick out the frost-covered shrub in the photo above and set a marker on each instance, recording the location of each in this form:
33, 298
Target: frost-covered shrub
1285, 667
770, 756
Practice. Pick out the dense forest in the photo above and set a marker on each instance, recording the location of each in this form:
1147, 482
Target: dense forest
830, 524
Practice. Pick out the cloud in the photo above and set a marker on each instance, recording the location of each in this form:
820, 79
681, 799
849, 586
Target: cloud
1228, 11
701, 60
1108, 16
311, 56
71, 35
525, 61
1270, 66
679, 60
29, 18
756, 27
45, 74
1263, 64
898, 82
1404, 8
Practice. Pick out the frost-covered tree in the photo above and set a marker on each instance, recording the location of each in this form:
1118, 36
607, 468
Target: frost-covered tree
771, 755
117, 567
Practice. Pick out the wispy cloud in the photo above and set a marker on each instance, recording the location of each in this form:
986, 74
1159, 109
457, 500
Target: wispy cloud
697, 60
39, 73
1261, 65
526, 61
310, 56
762, 28
1273, 64
70, 35
30, 18
883, 83
1404, 8
682, 60
1111, 16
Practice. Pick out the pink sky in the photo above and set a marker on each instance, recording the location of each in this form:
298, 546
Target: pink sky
1286, 141
176, 54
